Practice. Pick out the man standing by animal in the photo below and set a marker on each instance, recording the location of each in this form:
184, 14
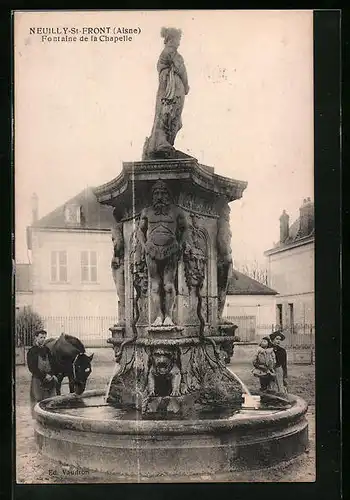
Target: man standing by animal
162, 234
40, 365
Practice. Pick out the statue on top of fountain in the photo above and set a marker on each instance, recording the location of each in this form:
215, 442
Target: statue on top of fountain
172, 89
162, 234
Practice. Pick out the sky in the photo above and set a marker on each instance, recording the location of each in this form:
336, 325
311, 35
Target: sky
82, 108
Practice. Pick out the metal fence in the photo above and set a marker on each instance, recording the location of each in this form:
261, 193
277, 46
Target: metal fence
297, 335
93, 331
299, 339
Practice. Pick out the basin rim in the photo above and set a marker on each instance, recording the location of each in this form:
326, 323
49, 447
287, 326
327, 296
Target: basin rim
281, 418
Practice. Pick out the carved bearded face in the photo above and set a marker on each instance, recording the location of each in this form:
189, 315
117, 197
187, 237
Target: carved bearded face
160, 197
163, 361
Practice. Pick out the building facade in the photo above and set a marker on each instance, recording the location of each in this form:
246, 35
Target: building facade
251, 305
23, 286
291, 271
71, 282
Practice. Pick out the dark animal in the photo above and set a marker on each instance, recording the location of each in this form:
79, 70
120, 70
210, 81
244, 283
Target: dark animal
70, 360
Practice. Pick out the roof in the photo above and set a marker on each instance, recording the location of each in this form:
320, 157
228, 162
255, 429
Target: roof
241, 284
298, 234
23, 281
94, 215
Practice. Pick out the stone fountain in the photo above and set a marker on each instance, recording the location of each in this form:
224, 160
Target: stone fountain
171, 407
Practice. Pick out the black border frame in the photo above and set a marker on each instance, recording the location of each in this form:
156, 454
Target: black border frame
327, 95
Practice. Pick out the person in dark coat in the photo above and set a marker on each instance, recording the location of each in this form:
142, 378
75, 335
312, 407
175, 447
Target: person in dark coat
281, 361
40, 364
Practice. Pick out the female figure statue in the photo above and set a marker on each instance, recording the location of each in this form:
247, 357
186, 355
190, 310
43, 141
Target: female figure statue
117, 263
173, 86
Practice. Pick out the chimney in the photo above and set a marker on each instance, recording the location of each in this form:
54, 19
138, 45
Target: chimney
306, 217
35, 208
284, 227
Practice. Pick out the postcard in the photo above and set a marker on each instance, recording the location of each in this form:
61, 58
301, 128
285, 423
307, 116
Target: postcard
164, 199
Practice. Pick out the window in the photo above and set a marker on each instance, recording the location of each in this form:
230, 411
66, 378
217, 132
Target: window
72, 213
59, 266
291, 317
88, 266
279, 315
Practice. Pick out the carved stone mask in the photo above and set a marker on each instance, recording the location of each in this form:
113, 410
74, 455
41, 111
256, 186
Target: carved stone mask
163, 361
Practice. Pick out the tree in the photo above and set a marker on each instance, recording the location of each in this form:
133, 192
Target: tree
255, 270
27, 322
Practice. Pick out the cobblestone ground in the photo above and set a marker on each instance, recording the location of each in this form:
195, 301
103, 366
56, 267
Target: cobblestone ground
33, 468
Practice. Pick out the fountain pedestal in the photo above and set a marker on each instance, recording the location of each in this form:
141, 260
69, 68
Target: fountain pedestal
173, 222
172, 368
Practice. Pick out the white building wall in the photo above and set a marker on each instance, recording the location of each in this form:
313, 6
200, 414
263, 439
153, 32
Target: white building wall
262, 307
291, 274
76, 303
23, 299
73, 298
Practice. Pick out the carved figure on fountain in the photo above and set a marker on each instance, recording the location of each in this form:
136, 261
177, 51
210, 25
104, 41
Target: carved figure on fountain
162, 235
164, 375
117, 263
138, 264
195, 255
224, 255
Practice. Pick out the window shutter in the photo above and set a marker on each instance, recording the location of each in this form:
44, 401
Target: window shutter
53, 266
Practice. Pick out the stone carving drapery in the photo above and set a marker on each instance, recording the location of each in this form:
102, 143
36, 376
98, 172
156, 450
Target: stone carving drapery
173, 86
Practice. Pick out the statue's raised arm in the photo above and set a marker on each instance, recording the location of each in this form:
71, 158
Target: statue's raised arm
172, 89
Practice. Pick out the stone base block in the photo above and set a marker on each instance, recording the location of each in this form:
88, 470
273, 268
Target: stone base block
164, 332
118, 332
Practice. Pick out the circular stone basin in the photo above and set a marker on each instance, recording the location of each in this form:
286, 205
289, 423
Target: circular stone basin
86, 432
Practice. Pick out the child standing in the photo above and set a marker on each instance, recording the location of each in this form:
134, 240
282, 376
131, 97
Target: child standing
264, 364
